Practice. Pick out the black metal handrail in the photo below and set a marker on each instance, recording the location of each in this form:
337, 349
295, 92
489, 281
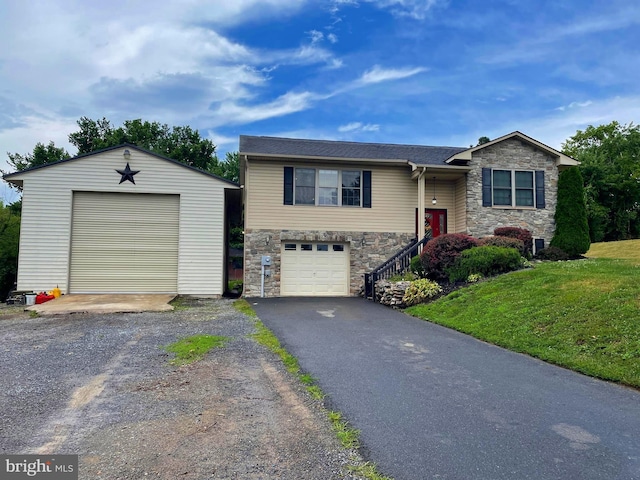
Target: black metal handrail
396, 265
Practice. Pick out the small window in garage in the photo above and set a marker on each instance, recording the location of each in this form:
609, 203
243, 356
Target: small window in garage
323, 248
338, 248
306, 247
290, 246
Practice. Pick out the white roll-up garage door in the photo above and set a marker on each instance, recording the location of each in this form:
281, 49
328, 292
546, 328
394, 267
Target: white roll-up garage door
124, 243
314, 269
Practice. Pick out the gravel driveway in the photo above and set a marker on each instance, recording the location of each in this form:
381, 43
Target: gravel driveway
101, 386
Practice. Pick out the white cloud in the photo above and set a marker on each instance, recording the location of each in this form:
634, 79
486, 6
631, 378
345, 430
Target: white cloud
359, 126
332, 37
316, 36
575, 105
231, 113
416, 9
349, 127
378, 74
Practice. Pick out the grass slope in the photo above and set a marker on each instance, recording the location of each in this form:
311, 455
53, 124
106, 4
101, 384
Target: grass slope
625, 249
584, 315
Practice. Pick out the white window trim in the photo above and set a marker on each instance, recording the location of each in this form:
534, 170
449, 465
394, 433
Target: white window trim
317, 187
513, 188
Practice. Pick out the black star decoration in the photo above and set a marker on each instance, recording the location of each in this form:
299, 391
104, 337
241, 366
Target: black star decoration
127, 174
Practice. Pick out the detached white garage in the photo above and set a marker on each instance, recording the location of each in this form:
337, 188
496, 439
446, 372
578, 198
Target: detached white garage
122, 220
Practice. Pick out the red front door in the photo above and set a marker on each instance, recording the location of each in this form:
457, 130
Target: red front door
436, 220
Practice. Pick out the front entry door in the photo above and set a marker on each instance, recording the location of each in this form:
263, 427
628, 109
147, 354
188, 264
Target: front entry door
436, 220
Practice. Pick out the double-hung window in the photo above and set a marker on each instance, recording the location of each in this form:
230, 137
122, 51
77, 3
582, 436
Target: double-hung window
513, 188
327, 187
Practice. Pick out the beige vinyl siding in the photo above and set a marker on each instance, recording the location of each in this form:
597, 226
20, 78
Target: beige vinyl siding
446, 200
47, 204
461, 205
393, 198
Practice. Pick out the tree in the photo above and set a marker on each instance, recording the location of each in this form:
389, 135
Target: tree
610, 165
230, 167
9, 240
183, 144
483, 140
572, 229
41, 155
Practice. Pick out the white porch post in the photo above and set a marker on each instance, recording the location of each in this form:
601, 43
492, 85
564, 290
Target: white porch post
421, 202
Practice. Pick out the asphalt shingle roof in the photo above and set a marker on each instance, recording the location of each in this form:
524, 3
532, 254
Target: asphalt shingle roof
419, 154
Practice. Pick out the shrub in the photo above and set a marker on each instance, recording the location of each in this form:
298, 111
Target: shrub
416, 266
487, 260
441, 253
572, 228
419, 291
402, 277
553, 254
507, 242
474, 277
521, 234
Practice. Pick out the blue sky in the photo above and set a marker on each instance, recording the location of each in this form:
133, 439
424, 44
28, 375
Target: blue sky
432, 72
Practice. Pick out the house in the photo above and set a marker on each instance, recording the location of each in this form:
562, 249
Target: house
123, 220
321, 214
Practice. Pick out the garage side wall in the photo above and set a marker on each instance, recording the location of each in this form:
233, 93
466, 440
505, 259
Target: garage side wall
45, 236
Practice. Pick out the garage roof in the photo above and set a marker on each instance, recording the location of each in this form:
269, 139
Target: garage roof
14, 177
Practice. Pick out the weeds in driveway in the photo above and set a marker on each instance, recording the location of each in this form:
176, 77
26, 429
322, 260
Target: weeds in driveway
191, 349
349, 437
582, 314
368, 470
179, 303
243, 306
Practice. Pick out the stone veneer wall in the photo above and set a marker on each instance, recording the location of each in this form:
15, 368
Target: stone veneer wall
511, 154
378, 247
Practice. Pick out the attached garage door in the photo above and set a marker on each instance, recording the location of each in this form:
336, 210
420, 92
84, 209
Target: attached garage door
314, 269
124, 243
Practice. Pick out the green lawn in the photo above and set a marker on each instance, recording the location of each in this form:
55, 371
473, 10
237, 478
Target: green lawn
625, 249
584, 315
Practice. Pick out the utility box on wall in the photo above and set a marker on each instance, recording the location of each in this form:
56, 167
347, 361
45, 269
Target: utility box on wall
266, 260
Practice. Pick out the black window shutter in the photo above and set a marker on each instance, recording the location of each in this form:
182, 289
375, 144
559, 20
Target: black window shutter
288, 185
366, 189
540, 203
486, 187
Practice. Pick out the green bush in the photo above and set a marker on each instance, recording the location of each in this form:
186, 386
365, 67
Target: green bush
402, 277
507, 242
572, 228
553, 254
419, 291
487, 261
9, 240
441, 252
416, 266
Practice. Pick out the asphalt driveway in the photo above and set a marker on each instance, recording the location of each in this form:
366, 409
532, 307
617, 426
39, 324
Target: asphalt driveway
434, 403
